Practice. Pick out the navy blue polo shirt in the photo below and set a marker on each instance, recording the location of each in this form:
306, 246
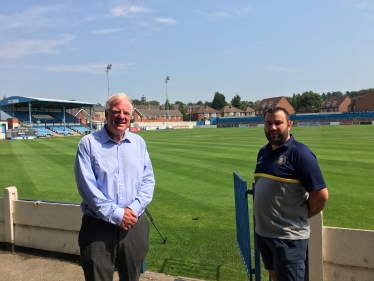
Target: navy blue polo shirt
283, 178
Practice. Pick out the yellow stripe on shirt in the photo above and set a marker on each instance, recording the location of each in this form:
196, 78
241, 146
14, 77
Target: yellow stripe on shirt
276, 178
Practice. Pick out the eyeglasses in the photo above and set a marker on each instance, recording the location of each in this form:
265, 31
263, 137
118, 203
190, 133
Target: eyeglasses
118, 113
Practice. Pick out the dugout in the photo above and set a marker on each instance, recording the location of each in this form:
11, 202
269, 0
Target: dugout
40, 112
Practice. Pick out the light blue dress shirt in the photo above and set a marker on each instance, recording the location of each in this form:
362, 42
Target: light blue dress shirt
111, 176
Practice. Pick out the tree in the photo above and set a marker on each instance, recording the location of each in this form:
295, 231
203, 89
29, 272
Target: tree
183, 110
208, 103
153, 102
199, 102
136, 102
336, 94
295, 101
235, 102
354, 94
168, 105
219, 101
251, 104
310, 102
289, 99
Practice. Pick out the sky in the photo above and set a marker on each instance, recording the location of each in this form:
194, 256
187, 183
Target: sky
256, 49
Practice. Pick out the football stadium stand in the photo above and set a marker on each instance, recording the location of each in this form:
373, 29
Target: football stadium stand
44, 117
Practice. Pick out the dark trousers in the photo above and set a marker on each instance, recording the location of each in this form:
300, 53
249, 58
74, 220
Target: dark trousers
104, 246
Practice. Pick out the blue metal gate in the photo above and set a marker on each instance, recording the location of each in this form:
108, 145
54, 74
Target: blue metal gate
243, 227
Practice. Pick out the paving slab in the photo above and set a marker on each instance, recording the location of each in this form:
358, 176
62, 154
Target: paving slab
20, 267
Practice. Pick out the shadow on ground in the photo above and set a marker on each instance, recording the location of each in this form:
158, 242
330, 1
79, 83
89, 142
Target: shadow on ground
184, 268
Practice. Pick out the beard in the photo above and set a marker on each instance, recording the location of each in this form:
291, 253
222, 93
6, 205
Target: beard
278, 138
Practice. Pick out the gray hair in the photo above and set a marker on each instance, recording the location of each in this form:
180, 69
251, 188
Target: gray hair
117, 97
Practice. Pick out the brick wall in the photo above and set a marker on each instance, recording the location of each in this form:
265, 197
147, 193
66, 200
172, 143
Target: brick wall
366, 103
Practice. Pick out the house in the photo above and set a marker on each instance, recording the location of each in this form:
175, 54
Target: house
191, 108
230, 111
248, 111
156, 115
362, 103
336, 104
202, 112
82, 115
265, 104
176, 106
99, 113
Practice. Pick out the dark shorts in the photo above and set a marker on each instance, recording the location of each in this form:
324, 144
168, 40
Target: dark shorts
288, 258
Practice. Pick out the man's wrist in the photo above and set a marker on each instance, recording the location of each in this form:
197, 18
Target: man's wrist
118, 215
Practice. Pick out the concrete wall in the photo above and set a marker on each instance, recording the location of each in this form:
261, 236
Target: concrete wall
47, 226
39, 225
2, 221
334, 253
348, 254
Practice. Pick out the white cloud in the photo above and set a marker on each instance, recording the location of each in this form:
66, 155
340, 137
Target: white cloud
85, 20
232, 13
222, 15
86, 68
34, 18
166, 20
366, 9
215, 16
364, 5
282, 69
127, 10
20, 48
104, 31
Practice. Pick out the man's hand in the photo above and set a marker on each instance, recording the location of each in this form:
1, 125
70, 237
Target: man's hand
128, 220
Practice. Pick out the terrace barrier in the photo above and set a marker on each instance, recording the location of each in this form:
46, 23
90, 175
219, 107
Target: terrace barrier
334, 253
42, 228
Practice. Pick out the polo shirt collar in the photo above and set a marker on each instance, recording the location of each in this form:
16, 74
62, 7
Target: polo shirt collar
286, 144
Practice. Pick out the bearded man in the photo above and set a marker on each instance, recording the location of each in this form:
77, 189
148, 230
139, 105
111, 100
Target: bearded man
289, 189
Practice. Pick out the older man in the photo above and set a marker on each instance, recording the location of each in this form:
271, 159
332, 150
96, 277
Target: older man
289, 189
115, 179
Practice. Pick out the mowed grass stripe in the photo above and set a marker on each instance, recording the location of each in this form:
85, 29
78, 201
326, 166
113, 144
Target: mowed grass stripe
46, 165
13, 170
193, 203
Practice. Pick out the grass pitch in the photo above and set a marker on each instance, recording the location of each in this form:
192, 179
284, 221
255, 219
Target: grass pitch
193, 204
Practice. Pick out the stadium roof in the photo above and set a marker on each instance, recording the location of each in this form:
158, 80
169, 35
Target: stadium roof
19, 101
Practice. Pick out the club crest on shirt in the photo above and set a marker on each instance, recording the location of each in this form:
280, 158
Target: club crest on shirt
281, 160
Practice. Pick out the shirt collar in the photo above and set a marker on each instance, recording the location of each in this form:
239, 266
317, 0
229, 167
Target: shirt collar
106, 138
285, 144
289, 141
